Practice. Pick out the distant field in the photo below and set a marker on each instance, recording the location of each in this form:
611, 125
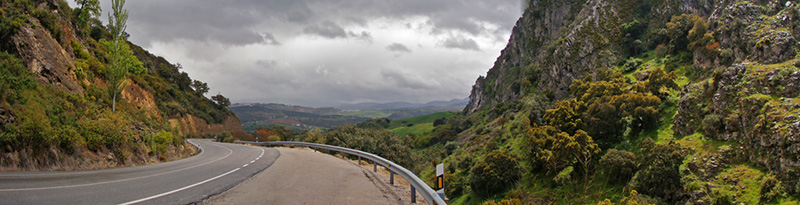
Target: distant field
419, 125
420, 119
416, 129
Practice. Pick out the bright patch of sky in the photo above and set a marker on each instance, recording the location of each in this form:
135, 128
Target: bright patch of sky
326, 52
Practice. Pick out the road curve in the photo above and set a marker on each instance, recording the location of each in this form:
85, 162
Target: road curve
316, 179
217, 168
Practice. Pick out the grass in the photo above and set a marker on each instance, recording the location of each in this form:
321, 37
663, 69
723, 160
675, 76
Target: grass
420, 119
416, 129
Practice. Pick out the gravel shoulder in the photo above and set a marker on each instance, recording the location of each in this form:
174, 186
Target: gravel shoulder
302, 176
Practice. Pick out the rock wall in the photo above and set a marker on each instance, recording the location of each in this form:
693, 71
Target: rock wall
45, 57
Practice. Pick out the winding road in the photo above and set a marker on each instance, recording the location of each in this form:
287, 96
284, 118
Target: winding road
218, 167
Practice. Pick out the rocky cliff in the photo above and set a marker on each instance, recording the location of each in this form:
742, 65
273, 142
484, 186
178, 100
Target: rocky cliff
45, 57
737, 64
555, 42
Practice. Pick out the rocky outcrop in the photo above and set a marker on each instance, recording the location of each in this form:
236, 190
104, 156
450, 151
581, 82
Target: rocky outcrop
754, 105
553, 43
45, 57
756, 31
190, 125
556, 42
141, 98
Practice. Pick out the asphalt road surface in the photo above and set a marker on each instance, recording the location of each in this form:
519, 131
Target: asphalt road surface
218, 167
315, 179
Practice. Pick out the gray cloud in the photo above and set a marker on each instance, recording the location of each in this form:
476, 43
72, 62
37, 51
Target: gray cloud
460, 42
364, 36
270, 39
397, 47
326, 29
263, 50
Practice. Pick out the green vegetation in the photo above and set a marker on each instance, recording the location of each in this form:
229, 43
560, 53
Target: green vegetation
44, 125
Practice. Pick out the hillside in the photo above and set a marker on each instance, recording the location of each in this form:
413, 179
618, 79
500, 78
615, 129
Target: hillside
636, 101
57, 104
622, 102
257, 115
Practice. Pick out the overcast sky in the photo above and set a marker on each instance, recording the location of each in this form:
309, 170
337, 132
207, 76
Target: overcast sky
326, 52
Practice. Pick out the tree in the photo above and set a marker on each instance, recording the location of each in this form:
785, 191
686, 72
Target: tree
118, 70
660, 174
88, 10
604, 82
222, 101
565, 116
619, 165
583, 150
603, 123
200, 87
658, 83
496, 173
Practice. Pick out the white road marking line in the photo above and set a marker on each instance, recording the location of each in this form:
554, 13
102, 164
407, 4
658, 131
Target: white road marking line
180, 189
245, 165
121, 180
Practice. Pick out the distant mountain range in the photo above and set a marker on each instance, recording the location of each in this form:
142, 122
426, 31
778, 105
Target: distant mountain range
403, 105
256, 115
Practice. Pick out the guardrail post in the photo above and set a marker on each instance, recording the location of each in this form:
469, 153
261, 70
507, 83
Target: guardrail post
359, 160
418, 186
413, 192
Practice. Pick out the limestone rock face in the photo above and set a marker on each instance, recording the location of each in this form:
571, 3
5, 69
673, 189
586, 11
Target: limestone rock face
45, 57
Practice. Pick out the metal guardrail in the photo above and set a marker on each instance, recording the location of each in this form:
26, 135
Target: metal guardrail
427, 192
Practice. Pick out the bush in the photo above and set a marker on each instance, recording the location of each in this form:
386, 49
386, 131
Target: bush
496, 173
14, 77
631, 64
453, 185
711, 125
619, 165
164, 138
771, 189
660, 175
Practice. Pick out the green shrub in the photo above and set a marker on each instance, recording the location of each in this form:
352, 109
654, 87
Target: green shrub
453, 185
619, 165
14, 77
771, 189
660, 175
711, 125
49, 21
10, 22
164, 138
496, 173
631, 64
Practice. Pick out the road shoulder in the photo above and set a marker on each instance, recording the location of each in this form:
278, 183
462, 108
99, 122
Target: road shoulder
305, 177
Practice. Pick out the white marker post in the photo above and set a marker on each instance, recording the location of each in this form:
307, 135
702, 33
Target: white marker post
440, 180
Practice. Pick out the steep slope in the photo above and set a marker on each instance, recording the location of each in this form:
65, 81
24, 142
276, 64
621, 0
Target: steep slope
55, 103
699, 96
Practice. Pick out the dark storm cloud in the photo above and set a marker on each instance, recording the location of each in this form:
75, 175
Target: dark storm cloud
233, 21
460, 42
262, 50
326, 29
270, 39
397, 47
331, 30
